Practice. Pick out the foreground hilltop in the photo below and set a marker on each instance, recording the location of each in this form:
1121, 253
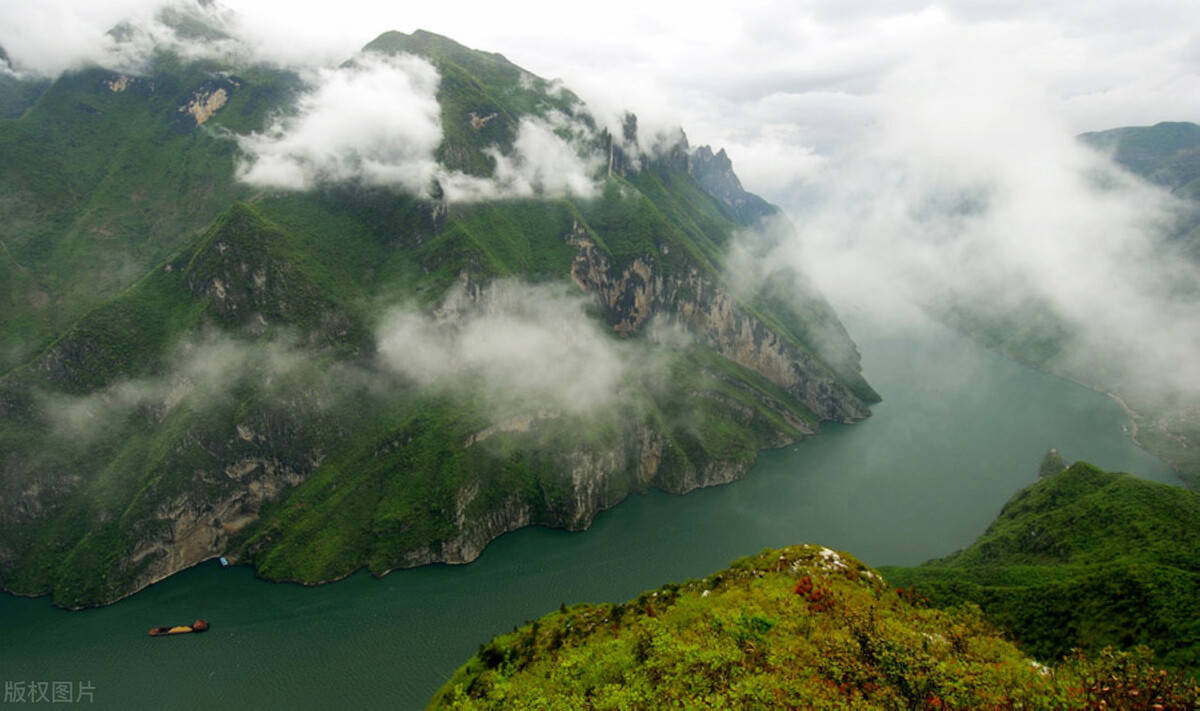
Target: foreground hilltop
374, 320
1078, 570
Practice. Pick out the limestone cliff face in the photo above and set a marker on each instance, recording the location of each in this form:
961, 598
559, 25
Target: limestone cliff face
599, 479
264, 456
714, 173
194, 527
636, 293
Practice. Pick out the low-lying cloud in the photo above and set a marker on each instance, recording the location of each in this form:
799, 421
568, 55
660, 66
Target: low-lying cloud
972, 191
377, 120
541, 163
507, 348
532, 344
202, 371
45, 39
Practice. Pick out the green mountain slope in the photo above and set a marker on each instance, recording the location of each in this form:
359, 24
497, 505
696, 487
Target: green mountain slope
234, 386
801, 627
1082, 559
1166, 153
106, 175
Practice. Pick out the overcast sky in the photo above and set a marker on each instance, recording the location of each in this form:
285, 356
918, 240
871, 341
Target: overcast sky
775, 82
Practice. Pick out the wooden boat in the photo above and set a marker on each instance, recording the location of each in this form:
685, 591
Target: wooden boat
197, 626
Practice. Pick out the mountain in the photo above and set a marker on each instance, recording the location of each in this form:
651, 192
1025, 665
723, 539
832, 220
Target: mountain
801, 627
1082, 559
1166, 154
236, 326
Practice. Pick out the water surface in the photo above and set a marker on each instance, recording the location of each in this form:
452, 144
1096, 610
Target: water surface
960, 430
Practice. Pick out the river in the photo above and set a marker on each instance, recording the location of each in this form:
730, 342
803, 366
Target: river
960, 430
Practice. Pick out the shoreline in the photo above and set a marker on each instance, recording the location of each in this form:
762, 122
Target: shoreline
1133, 424
456, 562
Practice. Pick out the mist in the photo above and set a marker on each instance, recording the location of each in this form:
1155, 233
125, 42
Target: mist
201, 372
512, 344
376, 120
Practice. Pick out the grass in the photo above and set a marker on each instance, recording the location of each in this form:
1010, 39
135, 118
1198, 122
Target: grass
801, 627
1083, 558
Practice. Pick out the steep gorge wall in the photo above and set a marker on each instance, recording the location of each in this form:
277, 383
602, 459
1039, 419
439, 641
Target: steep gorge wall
637, 293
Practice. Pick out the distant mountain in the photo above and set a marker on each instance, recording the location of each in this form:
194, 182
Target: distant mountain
318, 356
1166, 154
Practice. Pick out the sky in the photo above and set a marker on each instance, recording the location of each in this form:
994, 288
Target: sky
780, 84
912, 144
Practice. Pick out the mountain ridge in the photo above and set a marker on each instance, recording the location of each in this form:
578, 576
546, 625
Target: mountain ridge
285, 384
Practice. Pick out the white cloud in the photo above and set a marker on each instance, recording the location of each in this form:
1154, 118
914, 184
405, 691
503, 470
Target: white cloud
540, 163
527, 343
376, 118
202, 370
47, 38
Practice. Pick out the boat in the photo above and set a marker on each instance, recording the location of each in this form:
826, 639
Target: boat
197, 626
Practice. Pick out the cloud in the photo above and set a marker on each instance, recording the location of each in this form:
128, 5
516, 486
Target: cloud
44, 39
975, 191
376, 119
507, 348
541, 163
532, 344
202, 371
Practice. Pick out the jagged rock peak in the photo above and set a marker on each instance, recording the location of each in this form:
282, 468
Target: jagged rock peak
715, 174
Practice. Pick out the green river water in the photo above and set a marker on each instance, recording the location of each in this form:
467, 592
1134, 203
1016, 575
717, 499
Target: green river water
959, 431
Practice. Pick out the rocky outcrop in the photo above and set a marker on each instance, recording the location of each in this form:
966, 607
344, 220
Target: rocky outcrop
632, 295
714, 173
204, 101
599, 479
192, 528
475, 530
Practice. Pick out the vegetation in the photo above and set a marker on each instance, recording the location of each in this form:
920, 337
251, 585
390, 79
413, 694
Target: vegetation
186, 358
801, 627
1082, 559
1053, 463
